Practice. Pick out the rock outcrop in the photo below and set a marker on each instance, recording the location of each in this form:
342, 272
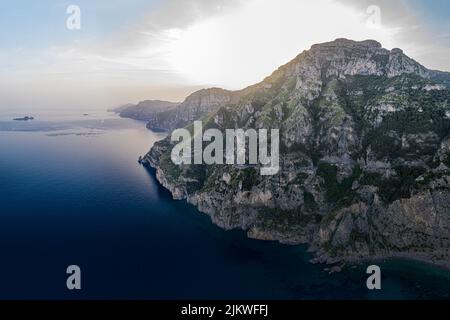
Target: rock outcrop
195, 106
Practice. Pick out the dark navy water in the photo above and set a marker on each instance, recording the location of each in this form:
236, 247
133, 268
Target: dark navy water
72, 192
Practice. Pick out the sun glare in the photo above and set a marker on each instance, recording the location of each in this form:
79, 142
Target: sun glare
240, 48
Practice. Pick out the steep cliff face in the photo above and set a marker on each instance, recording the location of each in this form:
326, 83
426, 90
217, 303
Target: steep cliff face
365, 156
195, 106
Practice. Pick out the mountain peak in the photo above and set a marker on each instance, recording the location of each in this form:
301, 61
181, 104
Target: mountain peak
343, 57
343, 42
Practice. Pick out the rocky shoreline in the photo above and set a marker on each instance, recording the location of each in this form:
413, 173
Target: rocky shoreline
320, 257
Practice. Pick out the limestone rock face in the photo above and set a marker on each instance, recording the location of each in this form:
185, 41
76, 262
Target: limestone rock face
195, 106
364, 155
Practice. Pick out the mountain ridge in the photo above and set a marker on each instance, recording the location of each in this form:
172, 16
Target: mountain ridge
145, 110
205, 101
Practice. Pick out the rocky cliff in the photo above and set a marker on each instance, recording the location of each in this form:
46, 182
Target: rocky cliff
167, 116
145, 110
365, 155
195, 106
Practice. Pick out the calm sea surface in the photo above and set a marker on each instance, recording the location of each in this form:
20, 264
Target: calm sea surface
72, 192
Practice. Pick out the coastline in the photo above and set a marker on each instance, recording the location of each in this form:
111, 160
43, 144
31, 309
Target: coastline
332, 264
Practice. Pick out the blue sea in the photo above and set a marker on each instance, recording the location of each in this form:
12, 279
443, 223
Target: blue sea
73, 193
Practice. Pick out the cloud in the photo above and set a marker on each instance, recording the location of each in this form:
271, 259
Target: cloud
246, 43
236, 43
198, 43
412, 31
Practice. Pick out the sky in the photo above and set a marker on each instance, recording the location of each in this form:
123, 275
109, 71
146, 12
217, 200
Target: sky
128, 51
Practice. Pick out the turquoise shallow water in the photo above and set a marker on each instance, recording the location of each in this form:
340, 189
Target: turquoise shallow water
72, 192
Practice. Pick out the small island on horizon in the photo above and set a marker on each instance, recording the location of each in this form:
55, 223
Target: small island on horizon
26, 118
